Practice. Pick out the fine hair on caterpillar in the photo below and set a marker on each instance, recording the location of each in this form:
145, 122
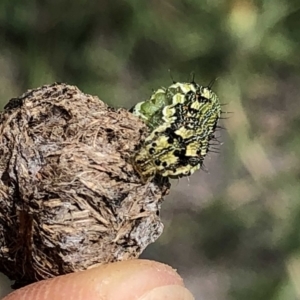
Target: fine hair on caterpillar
182, 119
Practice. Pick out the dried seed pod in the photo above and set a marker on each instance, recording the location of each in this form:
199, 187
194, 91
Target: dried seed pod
69, 196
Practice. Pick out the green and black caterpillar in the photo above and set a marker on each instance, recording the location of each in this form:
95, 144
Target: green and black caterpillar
182, 119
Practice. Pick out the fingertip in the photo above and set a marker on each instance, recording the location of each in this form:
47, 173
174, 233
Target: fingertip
168, 292
121, 280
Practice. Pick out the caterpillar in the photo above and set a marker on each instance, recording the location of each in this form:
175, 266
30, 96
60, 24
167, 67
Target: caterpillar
182, 119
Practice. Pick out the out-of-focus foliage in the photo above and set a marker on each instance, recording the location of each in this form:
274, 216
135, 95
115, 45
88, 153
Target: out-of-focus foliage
233, 233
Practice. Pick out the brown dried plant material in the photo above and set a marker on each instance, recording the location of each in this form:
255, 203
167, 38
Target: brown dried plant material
69, 196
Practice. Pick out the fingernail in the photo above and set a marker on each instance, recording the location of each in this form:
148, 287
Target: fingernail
169, 292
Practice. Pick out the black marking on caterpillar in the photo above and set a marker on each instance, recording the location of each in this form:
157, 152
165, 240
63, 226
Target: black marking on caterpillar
183, 119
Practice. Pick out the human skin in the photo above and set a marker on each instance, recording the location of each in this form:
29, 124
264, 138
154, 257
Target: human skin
126, 280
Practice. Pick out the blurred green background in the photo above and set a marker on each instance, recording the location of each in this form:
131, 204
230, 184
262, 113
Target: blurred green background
232, 232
